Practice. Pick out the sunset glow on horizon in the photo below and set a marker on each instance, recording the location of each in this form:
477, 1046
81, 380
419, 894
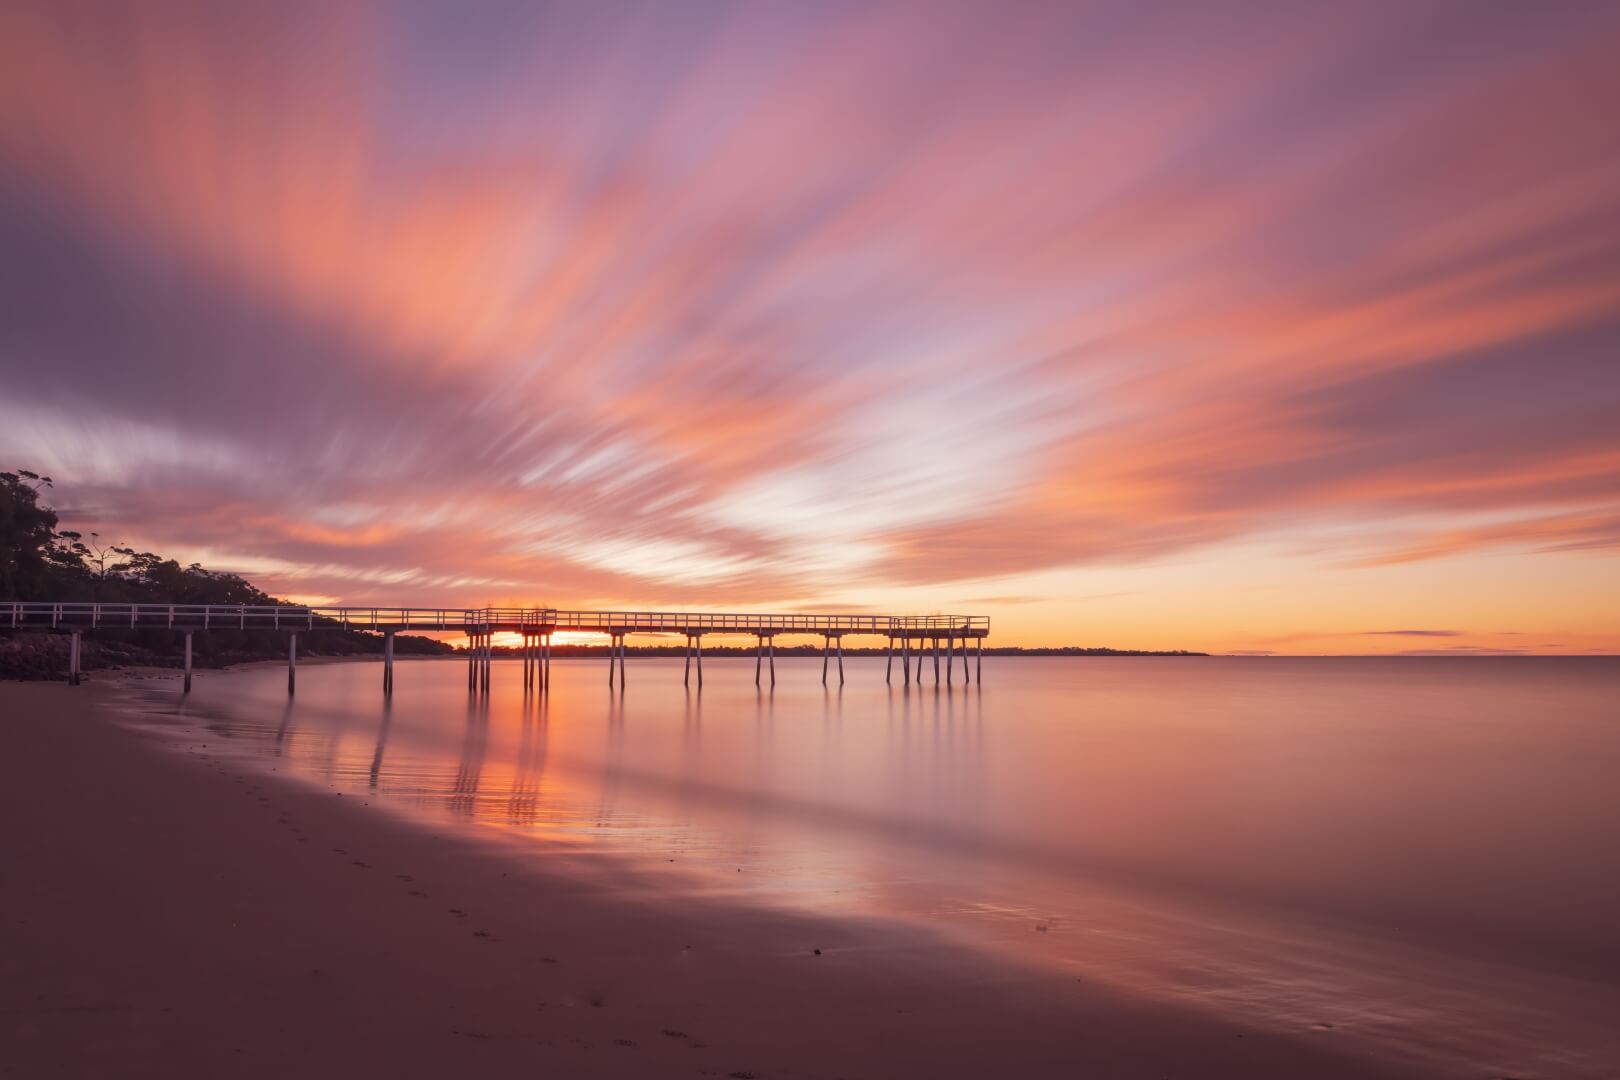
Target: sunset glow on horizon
1237, 328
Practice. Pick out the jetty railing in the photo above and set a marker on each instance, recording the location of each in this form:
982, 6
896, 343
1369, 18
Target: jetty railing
536, 626
752, 623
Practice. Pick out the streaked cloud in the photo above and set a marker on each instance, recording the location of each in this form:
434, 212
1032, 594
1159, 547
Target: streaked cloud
1412, 633
750, 304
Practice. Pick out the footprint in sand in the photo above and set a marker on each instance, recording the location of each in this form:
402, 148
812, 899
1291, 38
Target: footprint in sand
624, 1042
361, 865
416, 892
672, 1033
457, 912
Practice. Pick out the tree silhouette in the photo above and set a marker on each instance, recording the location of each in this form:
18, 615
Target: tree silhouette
28, 537
37, 562
99, 553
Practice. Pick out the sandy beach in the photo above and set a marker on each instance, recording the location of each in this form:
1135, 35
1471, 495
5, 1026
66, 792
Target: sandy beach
169, 913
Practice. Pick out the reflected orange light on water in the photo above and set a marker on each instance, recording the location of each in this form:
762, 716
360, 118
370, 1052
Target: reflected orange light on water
509, 640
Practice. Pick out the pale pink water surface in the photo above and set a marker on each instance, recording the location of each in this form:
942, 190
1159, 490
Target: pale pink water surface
1417, 856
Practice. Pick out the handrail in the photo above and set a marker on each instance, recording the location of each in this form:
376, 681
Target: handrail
656, 620
92, 614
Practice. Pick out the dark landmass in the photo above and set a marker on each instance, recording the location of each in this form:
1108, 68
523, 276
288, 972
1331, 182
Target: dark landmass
37, 562
39, 654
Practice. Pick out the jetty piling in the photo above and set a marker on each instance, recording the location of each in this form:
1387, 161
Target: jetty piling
536, 628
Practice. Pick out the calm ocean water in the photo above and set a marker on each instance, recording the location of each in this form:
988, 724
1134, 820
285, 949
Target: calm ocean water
1420, 855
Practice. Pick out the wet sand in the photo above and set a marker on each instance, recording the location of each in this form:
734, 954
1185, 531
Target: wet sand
167, 912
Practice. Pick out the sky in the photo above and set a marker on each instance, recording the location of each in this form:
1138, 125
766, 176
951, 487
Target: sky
1261, 328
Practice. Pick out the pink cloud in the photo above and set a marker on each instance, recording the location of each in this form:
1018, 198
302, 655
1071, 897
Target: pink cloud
652, 289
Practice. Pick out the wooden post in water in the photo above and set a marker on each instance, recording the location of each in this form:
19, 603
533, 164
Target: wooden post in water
73, 660
840, 659
888, 668
292, 662
826, 652
388, 661
188, 662
759, 655
905, 657
686, 679
700, 659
